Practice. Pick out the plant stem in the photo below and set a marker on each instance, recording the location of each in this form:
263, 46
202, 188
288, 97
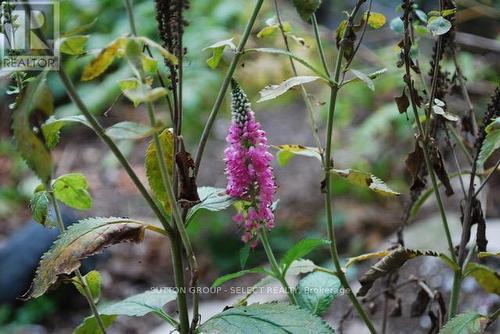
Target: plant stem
455, 294
224, 87
487, 178
176, 250
275, 266
130, 14
328, 178
100, 131
319, 44
305, 95
87, 293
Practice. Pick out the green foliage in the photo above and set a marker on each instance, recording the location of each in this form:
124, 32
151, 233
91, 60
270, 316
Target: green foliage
397, 25
39, 205
375, 20
104, 59
306, 8
90, 326
31, 148
491, 141
139, 92
465, 323
52, 127
365, 78
301, 249
364, 179
87, 237
129, 130
486, 277
272, 91
153, 169
221, 280
218, 50
287, 152
141, 304
317, 291
93, 281
438, 25
275, 318
72, 190
212, 199
73, 45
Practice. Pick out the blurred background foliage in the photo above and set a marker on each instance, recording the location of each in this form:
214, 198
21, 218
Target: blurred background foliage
370, 133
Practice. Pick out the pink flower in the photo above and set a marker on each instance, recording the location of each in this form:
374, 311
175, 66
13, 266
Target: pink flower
248, 167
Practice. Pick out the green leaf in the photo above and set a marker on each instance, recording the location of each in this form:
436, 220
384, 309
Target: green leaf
273, 26
164, 52
221, 280
274, 318
31, 148
217, 50
80, 29
465, 323
141, 92
104, 59
73, 45
71, 189
86, 238
317, 291
306, 8
371, 76
365, 180
90, 325
39, 205
153, 169
52, 127
244, 253
149, 65
272, 91
375, 20
287, 152
486, 277
293, 56
301, 266
141, 304
397, 25
421, 15
93, 281
438, 25
129, 130
212, 199
363, 77
491, 142
301, 249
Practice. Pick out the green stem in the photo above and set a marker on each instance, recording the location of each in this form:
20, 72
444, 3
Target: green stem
319, 44
86, 290
455, 294
328, 181
224, 87
176, 250
275, 266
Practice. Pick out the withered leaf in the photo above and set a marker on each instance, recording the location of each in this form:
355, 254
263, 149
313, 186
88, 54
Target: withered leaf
188, 189
397, 309
81, 240
439, 169
388, 264
414, 164
402, 102
478, 218
420, 303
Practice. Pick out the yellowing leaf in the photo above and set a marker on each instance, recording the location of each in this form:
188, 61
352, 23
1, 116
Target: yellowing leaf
73, 45
164, 52
486, 277
153, 169
375, 20
364, 257
149, 65
287, 152
105, 58
365, 180
93, 281
139, 92
87, 237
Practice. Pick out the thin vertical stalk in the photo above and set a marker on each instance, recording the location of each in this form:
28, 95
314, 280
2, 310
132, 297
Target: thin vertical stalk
224, 87
86, 290
328, 178
317, 36
275, 266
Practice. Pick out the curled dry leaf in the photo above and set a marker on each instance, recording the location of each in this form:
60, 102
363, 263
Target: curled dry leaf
87, 237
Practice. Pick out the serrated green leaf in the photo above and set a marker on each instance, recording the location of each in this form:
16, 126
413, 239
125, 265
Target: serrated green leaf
465, 323
93, 281
272, 91
317, 291
491, 142
212, 199
363, 77
364, 179
90, 325
31, 148
221, 280
301, 249
129, 130
72, 190
438, 25
287, 152
274, 318
375, 20
52, 127
104, 59
486, 277
39, 205
153, 169
218, 50
73, 45
306, 8
83, 239
141, 304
